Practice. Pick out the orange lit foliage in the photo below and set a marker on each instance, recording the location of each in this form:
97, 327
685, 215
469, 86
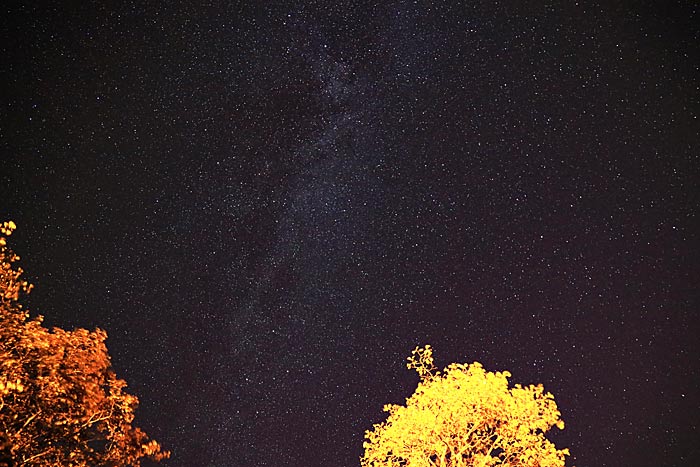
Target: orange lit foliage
465, 416
60, 402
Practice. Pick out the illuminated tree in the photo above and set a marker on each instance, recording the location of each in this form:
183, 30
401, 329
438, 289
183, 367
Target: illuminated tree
60, 402
465, 416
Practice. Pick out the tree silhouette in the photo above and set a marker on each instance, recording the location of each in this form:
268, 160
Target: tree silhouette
465, 416
60, 402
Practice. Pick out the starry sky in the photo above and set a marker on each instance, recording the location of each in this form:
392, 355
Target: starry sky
268, 205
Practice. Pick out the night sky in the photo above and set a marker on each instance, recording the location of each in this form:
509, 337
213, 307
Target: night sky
268, 205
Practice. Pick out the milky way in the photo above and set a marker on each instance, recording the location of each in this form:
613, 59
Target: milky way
267, 207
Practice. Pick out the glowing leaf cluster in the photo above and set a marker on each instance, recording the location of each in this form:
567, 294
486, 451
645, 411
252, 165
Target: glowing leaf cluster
60, 402
465, 416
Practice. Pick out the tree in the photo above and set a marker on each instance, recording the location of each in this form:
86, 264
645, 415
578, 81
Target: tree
465, 416
61, 404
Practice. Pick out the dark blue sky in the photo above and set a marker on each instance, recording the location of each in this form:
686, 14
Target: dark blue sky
267, 205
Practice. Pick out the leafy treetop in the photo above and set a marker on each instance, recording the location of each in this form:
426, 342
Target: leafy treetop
465, 416
60, 402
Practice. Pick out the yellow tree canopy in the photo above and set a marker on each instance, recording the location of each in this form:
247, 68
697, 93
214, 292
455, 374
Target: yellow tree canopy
465, 416
60, 402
